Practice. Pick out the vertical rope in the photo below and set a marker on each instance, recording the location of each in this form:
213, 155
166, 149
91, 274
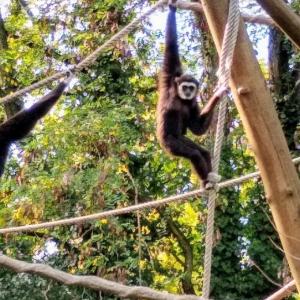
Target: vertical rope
228, 46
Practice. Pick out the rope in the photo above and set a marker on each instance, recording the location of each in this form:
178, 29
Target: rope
132, 208
89, 59
229, 42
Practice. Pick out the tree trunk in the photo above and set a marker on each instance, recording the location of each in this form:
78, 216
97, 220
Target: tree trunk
13, 107
285, 79
284, 17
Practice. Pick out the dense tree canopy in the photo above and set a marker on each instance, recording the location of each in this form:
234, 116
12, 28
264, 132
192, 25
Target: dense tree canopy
97, 151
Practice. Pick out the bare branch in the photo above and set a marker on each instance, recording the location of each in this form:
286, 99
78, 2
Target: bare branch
285, 18
263, 273
188, 256
91, 282
25, 6
197, 7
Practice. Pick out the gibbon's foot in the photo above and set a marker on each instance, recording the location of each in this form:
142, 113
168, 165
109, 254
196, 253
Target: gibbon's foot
213, 177
211, 181
69, 76
209, 186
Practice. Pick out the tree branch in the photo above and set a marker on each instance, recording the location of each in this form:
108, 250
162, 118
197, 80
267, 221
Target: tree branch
25, 6
91, 282
284, 17
188, 256
197, 7
283, 292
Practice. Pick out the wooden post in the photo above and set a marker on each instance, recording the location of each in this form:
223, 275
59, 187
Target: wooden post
284, 292
284, 17
264, 132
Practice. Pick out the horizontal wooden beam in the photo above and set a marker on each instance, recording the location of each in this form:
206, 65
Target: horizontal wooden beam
284, 292
91, 282
197, 7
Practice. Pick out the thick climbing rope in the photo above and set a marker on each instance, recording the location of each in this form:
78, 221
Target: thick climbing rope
89, 60
228, 46
132, 208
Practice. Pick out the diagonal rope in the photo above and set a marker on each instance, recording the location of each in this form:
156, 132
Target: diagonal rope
132, 208
228, 46
89, 60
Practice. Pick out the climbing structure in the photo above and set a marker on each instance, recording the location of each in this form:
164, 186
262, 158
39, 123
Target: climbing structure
252, 98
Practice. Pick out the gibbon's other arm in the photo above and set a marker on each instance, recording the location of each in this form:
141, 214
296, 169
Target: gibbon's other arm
199, 123
18, 126
171, 64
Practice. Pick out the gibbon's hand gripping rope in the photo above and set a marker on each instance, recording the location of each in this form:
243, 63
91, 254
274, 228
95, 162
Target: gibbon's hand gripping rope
89, 59
228, 46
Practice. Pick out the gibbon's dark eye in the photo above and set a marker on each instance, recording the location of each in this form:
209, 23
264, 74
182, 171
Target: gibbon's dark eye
191, 88
184, 87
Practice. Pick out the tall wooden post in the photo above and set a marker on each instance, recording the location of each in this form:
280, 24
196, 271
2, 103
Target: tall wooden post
264, 132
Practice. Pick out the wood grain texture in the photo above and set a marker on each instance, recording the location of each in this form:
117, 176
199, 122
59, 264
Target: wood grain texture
264, 132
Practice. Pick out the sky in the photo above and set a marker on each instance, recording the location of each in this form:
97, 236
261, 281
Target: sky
3, 5
158, 22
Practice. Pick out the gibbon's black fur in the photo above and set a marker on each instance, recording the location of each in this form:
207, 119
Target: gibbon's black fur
18, 126
178, 109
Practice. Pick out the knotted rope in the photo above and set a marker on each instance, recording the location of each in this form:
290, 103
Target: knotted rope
228, 46
89, 60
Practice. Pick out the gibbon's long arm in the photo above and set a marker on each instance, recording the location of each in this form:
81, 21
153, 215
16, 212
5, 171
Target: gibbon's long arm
171, 64
200, 122
18, 126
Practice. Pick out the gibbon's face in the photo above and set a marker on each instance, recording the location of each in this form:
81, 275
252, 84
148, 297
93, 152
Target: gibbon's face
187, 87
187, 90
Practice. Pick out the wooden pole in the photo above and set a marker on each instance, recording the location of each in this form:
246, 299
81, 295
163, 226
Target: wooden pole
264, 132
284, 292
284, 17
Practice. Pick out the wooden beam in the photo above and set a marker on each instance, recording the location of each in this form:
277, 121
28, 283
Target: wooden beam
264, 132
91, 282
197, 7
284, 17
284, 292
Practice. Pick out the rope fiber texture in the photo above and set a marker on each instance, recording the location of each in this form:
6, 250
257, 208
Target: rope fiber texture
226, 57
130, 209
89, 59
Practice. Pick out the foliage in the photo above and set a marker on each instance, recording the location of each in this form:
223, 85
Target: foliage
97, 151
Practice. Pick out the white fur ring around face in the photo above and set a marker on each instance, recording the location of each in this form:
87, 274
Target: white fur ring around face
187, 90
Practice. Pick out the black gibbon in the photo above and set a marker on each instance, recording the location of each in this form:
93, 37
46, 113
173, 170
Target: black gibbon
18, 126
178, 110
